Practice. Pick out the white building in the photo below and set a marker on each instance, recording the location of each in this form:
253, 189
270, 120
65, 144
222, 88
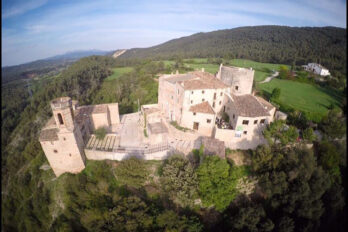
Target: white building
317, 69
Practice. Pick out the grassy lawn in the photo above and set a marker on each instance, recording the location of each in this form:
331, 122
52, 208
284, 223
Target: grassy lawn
212, 68
302, 96
262, 70
118, 72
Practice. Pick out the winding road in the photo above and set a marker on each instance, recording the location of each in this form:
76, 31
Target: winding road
268, 79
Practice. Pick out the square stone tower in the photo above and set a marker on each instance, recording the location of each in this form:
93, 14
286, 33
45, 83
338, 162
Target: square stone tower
61, 140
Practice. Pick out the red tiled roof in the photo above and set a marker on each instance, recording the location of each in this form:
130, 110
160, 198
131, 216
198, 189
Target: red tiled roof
203, 107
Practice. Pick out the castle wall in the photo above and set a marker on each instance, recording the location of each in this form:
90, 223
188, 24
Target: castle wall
105, 155
114, 113
240, 79
65, 154
100, 120
193, 97
204, 127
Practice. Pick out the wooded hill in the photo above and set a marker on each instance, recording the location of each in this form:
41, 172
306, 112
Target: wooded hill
273, 44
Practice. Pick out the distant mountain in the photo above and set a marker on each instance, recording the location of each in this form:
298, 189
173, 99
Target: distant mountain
51, 65
274, 44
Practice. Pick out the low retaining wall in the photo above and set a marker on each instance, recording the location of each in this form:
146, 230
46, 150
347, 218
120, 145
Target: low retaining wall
242, 143
107, 155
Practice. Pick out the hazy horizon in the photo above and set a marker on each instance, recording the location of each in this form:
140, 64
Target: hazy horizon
37, 29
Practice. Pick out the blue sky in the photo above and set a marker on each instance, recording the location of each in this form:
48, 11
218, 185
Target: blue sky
36, 29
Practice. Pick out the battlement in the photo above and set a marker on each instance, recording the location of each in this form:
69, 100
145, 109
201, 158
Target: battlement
61, 103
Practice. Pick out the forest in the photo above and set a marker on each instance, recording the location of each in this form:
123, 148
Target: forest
268, 44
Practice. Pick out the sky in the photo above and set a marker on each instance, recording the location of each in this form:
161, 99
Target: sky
37, 29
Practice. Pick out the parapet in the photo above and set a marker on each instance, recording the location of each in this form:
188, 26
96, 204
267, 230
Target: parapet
61, 103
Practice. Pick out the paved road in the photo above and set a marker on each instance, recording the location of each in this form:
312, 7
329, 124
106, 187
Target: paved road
268, 79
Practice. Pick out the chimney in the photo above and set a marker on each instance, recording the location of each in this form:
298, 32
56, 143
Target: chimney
177, 72
202, 69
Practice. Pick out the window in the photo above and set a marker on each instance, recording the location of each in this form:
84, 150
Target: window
221, 94
191, 92
70, 154
213, 104
202, 99
60, 119
219, 102
245, 122
208, 120
245, 132
64, 138
262, 121
236, 87
233, 116
214, 96
55, 151
191, 101
202, 91
172, 97
194, 113
255, 122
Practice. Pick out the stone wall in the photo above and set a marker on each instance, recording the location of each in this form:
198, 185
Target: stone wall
106, 155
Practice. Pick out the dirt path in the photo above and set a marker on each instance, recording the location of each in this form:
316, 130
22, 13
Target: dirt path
268, 79
118, 53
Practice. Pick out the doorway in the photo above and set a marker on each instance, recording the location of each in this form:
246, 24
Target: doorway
195, 125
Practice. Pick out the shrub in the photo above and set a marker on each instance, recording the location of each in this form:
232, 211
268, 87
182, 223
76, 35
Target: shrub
100, 133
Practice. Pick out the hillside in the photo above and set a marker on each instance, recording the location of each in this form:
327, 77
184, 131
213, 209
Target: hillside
273, 44
52, 65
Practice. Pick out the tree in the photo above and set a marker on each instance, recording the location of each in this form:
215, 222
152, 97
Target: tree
170, 221
279, 133
333, 124
283, 72
100, 133
329, 158
217, 182
275, 94
308, 135
179, 180
132, 172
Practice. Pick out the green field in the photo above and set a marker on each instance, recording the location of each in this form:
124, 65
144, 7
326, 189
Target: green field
302, 96
262, 70
118, 72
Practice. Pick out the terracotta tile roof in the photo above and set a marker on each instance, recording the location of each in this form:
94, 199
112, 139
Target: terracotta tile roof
204, 80
213, 146
179, 77
265, 103
49, 134
157, 128
203, 107
247, 106
197, 80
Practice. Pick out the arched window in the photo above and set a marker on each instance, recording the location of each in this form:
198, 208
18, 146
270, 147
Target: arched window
60, 119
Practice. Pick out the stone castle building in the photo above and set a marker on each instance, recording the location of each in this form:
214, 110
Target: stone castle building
196, 100
64, 136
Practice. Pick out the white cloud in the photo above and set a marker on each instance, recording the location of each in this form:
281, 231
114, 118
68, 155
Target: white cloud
22, 7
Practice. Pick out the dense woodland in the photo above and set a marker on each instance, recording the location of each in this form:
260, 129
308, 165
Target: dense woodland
272, 44
297, 189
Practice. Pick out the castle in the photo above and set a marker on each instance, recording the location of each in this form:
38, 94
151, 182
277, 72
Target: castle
218, 108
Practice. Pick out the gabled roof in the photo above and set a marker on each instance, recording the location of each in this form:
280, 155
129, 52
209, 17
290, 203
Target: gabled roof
268, 106
248, 106
203, 107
